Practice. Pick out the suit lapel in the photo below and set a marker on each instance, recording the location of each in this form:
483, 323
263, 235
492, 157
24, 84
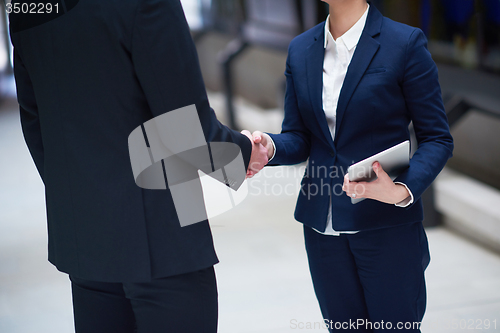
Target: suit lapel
365, 51
314, 66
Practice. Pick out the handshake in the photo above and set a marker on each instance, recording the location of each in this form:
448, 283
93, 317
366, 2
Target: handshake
382, 189
262, 151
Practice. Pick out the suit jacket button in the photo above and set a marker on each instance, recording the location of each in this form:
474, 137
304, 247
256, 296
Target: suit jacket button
332, 153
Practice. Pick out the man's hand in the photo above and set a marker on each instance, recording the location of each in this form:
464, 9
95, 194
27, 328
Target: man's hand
266, 141
382, 189
258, 159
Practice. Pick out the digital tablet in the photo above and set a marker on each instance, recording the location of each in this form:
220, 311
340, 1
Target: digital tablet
393, 160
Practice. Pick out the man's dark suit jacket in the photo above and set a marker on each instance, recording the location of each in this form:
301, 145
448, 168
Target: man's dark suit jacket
86, 77
391, 81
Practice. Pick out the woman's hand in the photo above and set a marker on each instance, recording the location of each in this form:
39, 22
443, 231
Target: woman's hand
261, 139
265, 140
382, 189
258, 159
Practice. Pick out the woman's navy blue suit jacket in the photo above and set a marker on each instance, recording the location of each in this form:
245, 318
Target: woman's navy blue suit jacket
391, 81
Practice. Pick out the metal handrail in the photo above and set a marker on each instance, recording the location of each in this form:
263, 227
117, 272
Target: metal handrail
458, 106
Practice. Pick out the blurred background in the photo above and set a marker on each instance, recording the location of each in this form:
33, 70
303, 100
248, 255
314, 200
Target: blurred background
264, 283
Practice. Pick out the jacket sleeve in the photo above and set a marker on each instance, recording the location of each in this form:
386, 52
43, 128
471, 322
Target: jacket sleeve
30, 119
294, 143
424, 103
167, 67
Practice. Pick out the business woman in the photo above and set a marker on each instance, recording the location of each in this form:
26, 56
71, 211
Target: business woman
354, 84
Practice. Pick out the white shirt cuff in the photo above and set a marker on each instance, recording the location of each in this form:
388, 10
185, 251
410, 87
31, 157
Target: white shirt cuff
274, 150
406, 202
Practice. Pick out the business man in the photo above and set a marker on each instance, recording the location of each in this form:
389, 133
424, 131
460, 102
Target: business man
354, 83
88, 73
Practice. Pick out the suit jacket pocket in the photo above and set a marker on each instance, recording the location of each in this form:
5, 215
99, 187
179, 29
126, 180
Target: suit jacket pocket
375, 70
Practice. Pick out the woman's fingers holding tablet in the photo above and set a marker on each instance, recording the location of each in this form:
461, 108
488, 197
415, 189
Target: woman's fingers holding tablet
382, 189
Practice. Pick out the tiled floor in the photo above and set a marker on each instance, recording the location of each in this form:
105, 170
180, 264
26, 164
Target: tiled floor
264, 284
